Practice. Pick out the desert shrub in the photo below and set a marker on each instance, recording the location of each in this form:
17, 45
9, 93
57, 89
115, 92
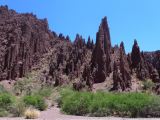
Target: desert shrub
23, 86
148, 84
107, 104
44, 92
27, 84
18, 108
153, 109
6, 100
3, 112
127, 104
65, 92
2, 89
80, 104
35, 101
31, 113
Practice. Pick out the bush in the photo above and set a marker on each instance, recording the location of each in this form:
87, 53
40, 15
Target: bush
152, 110
27, 84
31, 113
23, 86
44, 92
18, 108
3, 113
35, 101
105, 104
2, 89
6, 100
80, 104
148, 85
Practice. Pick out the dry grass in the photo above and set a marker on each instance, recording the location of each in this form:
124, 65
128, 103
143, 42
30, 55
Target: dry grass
31, 113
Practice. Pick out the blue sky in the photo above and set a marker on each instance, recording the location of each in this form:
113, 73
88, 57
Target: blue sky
128, 19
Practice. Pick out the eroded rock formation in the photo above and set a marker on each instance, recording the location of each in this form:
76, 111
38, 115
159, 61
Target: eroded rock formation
69, 59
101, 59
121, 72
141, 66
26, 40
23, 41
153, 60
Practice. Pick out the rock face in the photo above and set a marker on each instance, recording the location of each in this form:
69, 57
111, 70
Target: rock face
23, 41
106, 60
121, 72
68, 60
153, 60
124, 69
135, 55
90, 44
139, 64
101, 59
142, 66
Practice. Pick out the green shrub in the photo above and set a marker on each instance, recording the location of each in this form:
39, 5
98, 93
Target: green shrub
80, 104
18, 108
105, 104
152, 110
6, 100
63, 94
44, 92
148, 85
23, 86
35, 101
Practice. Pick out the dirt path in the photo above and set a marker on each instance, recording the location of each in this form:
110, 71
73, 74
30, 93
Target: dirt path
55, 114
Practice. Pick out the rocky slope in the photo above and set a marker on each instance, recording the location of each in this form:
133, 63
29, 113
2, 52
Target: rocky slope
25, 40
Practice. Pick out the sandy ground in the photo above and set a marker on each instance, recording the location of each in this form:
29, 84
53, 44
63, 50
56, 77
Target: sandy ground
55, 114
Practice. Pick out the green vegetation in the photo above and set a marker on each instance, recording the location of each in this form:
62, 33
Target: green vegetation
6, 102
35, 101
18, 108
109, 104
45, 92
28, 94
148, 85
3, 113
26, 85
